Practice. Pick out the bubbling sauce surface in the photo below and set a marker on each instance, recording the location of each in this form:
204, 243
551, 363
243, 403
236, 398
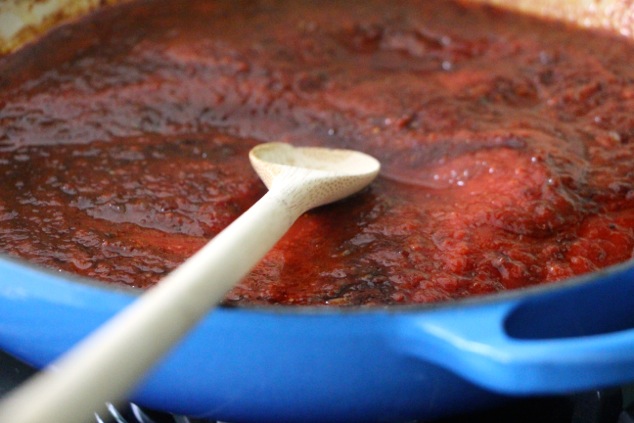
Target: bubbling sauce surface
507, 145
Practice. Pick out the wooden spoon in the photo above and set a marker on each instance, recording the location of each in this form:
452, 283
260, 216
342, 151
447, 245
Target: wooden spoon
107, 364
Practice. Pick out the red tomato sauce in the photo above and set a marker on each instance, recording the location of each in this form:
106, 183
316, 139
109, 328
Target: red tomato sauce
507, 145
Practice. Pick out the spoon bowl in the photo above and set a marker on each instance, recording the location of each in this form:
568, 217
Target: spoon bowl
323, 175
298, 179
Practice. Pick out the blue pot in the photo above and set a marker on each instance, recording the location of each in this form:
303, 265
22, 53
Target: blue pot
307, 364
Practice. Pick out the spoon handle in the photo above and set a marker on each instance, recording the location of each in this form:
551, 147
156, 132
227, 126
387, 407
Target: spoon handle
123, 349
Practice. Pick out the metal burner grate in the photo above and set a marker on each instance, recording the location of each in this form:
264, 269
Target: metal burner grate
132, 413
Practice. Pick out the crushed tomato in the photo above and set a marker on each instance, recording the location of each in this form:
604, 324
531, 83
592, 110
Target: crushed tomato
507, 145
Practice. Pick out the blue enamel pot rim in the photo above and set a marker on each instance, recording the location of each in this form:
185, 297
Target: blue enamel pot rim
485, 299
518, 342
504, 295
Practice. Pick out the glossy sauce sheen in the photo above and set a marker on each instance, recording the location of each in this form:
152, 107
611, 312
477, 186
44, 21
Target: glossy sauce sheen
506, 143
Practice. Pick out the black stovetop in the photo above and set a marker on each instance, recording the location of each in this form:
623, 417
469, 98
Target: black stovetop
604, 406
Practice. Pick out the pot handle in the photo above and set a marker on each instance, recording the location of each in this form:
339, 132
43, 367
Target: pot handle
569, 338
